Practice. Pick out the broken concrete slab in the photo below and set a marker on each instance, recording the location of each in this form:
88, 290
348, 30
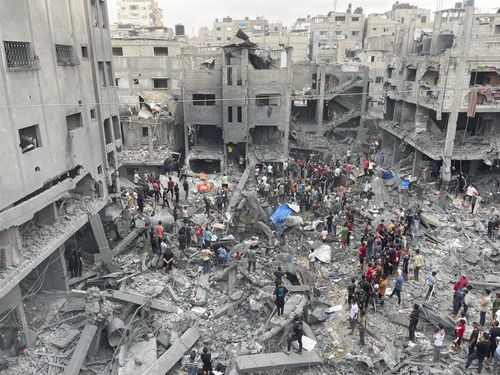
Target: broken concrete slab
139, 357
200, 298
174, 354
276, 361
102, 243
141, 300
127, 240
81, 350
64, 336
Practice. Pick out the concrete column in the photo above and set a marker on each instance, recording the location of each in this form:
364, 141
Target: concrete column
435, 33
417, 160
421, 119
396, 152
48, 215
366, 78
21, 315
461, 87
55, 277
320, 103
288, 100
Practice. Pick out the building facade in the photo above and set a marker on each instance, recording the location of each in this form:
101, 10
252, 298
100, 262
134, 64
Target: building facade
140, 13
443, 95
236, 101
60, 132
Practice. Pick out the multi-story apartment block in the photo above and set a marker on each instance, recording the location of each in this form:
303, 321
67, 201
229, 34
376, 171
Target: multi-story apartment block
60, 131
236, 101
336, 37
443, 94
139, 13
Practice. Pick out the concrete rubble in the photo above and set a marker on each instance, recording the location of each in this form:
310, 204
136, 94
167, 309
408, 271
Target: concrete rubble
138, 320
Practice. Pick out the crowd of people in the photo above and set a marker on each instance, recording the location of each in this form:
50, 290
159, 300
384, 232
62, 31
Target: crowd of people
384, 247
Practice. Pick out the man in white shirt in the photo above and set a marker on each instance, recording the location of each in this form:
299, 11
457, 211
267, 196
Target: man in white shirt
471, 191
353, 314
137, 178
438, 338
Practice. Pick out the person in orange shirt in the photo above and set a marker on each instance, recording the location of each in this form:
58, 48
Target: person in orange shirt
159, 233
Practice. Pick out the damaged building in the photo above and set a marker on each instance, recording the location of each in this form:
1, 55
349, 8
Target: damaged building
147, 73
60, 132
236, 102
330, 98
443, 94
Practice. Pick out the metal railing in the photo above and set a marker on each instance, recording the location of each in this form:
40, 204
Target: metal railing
20, 56
66, 55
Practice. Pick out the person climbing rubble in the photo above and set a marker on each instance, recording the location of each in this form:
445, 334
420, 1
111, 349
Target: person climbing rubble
280, 293
296, 334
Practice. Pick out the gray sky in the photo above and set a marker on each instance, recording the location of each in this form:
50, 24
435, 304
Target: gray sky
196, 13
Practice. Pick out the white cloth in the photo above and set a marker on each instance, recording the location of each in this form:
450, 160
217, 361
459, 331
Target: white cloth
353, 313
439, 338
312, 257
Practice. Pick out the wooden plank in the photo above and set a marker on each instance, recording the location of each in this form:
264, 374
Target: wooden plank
81, 350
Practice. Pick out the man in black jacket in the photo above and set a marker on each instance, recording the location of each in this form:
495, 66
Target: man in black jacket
414, 321
481, 352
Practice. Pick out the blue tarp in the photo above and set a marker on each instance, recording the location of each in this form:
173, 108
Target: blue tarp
389, 175
281, 214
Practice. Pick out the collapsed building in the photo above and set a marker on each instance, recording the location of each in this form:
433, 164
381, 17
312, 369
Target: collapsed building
236, 102
443, 94
330, 98
147, 75
60, 132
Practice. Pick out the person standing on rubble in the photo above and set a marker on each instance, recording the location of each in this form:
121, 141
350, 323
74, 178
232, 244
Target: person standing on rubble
413, 321
159, 233
198, 232
191, 366
206, 358
474, 336
296, 335
398, 287
481, 352
493, 223
353, 314
221, 256
168, 260
252, 258
496, 306
206, 254
208, 205
438, 338
494, 334
170, 186
165, 199
431, 282
459, 334
484, 306
280, 292
418, 263
207, 237
362, 327
344, 235
185, 187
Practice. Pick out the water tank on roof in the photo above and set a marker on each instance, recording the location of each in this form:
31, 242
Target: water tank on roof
468, 3
179, 30
426, 45
444, 41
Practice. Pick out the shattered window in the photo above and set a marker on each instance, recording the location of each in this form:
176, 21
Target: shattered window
29, 138
267, 99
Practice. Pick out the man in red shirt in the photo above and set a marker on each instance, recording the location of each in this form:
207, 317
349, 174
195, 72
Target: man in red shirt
462, 283
362, 254
459, 333
366, 164
170, 186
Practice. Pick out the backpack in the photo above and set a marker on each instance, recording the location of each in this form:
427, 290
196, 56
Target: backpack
281, 292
